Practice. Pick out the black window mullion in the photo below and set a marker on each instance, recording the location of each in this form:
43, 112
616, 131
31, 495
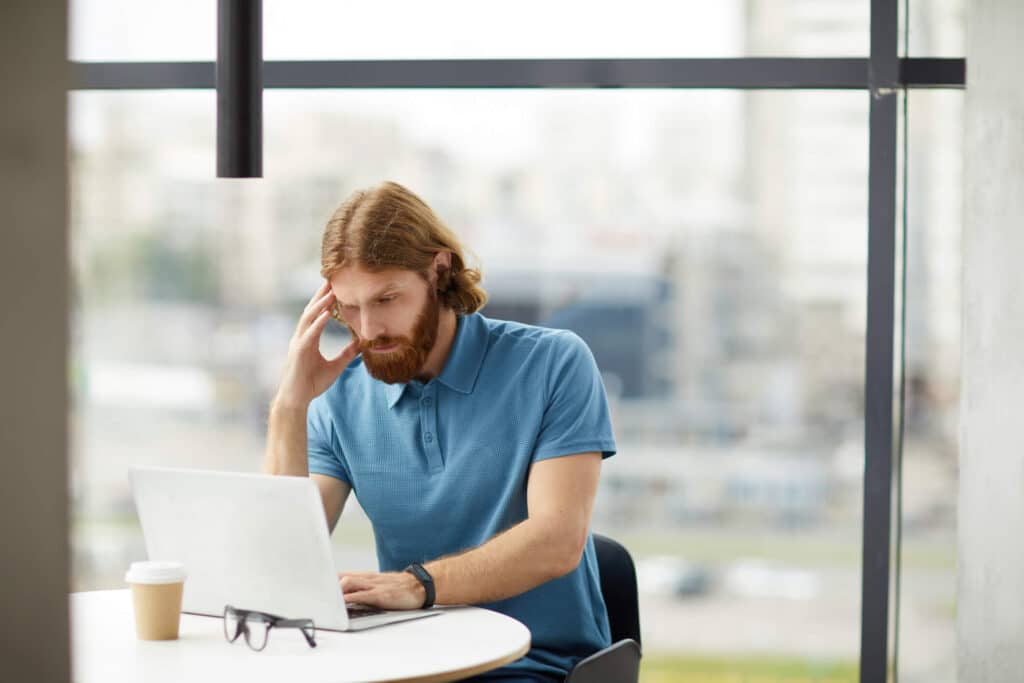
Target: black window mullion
739, 73
884, 76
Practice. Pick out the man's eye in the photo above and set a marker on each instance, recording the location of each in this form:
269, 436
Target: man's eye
386, 299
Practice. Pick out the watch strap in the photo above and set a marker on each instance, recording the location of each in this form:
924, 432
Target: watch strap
424, 577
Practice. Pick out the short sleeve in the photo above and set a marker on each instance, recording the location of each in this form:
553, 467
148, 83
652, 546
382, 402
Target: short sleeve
576, 417
325, 456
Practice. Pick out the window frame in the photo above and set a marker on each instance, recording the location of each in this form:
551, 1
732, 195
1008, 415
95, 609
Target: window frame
884, 75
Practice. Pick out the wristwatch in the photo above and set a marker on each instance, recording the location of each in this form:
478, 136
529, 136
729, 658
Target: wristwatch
424, 577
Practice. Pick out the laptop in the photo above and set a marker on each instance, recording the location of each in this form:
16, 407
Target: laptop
254, 541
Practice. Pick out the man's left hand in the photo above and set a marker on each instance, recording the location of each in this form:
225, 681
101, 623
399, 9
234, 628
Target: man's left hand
390, 590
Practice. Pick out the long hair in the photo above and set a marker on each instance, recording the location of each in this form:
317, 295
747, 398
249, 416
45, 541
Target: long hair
387, 226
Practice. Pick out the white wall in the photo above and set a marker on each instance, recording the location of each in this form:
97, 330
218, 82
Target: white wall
990, 600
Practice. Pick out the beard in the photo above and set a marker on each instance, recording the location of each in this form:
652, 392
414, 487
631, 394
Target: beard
405, 362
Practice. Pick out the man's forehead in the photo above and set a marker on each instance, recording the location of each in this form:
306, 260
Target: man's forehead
352, 284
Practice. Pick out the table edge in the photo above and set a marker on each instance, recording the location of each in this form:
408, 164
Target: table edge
439, 677
458, 674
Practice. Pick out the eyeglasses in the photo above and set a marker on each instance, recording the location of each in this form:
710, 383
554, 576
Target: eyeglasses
256, 626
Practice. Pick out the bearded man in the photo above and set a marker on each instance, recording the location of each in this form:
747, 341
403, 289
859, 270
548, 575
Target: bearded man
474, 445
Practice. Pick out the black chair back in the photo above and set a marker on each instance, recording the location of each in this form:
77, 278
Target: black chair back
618, 663
618, 586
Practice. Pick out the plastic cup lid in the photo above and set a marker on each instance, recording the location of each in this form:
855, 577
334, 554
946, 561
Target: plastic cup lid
155, 572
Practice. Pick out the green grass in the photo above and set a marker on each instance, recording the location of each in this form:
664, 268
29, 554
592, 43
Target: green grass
656, 668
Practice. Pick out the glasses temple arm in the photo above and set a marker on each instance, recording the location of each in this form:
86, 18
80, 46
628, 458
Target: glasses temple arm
302, 625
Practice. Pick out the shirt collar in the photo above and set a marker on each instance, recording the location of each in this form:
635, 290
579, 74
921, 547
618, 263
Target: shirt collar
467, 354
464, 359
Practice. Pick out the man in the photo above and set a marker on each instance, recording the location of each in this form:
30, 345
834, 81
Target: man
473, 445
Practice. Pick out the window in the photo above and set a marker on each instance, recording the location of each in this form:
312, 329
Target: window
710, 245
701, 243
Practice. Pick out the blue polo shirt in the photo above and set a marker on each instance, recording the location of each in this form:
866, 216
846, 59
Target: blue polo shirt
442, 467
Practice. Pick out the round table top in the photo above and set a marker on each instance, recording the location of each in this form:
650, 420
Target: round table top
461, 642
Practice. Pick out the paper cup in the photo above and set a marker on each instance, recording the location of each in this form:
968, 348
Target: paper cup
157, 588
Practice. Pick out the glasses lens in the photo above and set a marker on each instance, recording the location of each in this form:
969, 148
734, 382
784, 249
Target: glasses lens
230, 625
256, 632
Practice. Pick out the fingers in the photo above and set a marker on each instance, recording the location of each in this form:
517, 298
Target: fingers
375, 596
354, 583
390, 590
316, 326
370, 598
348, 583
314, 310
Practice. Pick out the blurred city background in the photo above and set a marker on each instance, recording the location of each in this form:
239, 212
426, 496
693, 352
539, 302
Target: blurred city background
710, 247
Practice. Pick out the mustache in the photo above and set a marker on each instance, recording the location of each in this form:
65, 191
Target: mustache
382, 342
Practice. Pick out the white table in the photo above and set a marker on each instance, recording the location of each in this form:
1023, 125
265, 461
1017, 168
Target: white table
461, 642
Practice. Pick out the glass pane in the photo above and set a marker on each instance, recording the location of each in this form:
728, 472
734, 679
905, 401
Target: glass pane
927, 650
938, 28
710, 247
121, 30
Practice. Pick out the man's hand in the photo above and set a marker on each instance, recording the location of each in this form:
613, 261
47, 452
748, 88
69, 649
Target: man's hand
307, 374
391, 590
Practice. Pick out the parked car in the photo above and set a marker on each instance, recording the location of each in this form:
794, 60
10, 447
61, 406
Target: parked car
671, 576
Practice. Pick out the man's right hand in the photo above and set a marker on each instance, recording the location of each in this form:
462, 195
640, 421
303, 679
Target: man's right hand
307, 374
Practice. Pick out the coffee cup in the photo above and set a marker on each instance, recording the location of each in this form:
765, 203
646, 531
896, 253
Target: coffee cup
157, 588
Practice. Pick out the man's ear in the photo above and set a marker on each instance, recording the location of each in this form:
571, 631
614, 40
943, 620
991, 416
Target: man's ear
442, 268
442, 260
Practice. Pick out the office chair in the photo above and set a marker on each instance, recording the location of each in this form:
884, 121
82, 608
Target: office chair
619, 662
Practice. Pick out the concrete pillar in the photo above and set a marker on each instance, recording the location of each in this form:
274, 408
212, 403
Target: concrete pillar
33, 342
990, 581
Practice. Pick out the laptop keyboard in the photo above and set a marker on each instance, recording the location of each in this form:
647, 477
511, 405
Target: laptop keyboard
355, 610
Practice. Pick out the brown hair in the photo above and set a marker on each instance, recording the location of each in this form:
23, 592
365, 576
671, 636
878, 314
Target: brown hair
387, 226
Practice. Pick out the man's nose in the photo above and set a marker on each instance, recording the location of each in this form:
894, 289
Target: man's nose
371, 327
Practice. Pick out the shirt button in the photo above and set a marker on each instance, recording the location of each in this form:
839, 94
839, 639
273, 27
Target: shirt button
427, 401
428, 437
